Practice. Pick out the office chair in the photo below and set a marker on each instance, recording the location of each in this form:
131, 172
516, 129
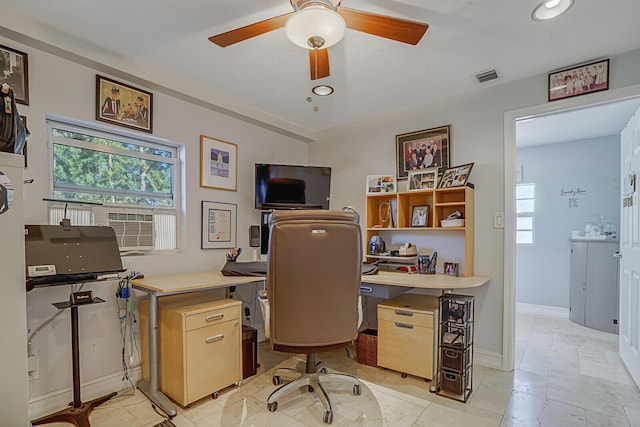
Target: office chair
314, 269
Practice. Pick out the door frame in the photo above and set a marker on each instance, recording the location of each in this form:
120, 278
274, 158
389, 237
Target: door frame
510, 119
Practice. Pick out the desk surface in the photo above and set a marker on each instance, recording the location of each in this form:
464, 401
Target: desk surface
189, 282
425, 281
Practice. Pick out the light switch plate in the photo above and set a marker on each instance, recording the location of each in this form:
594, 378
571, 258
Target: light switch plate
498, 220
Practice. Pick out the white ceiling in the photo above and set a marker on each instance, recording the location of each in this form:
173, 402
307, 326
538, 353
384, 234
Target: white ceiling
267, 77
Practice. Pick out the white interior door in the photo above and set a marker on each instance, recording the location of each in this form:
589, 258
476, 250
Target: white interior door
629, 331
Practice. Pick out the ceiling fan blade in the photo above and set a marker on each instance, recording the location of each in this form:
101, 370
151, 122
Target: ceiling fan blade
388, 27
319, 63
249, 31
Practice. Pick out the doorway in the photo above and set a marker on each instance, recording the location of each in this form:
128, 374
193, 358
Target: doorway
511, 118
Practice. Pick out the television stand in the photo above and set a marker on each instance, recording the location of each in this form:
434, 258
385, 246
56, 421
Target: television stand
78, 412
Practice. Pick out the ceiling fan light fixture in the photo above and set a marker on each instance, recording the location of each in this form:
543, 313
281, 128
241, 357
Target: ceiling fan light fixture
550, 9
315, 21
322, 90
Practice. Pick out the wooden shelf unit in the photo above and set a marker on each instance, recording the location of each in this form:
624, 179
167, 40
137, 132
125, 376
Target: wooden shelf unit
442, 203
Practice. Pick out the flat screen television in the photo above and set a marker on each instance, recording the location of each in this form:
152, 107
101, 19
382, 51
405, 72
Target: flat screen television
292, 187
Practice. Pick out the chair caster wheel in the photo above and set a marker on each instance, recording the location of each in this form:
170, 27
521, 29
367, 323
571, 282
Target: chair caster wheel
357, 390
272, 407
310, 389
327, 417
404, 375
277, 380
324, 370
214, 395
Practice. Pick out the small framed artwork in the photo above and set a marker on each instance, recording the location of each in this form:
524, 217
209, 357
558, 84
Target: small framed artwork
425, 179
218, 164
452, 269
381, 184
420, 216
579, 80
456, 176
219, 225
422, 149
123, 105
14, 71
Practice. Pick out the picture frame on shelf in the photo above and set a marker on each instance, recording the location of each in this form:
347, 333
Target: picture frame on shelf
219, 225
218, 163
420, 216
457, 176
422, 150
14, 70
452, 269
377, 184
123, 105
578, 80
424, 179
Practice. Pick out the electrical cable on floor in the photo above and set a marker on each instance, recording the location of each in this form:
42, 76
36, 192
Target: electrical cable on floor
126, 317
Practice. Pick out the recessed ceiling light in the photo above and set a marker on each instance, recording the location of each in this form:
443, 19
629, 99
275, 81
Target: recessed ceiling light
549, 9
322, 90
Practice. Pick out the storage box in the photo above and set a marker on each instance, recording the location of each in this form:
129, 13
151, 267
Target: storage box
452, 223
454, 359
456, 385
367, 347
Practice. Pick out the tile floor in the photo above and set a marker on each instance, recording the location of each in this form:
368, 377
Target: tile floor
566, 375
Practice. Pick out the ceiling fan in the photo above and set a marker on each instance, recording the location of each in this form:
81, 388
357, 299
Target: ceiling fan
318, 24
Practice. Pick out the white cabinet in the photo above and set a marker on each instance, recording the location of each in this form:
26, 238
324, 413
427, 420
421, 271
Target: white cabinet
594, 284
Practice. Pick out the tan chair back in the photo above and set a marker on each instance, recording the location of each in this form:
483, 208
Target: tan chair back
313, 273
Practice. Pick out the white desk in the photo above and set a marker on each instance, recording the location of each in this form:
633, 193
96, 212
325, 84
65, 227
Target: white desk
159, 286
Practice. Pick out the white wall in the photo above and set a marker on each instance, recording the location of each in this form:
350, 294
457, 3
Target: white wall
61, 87
477, 120
593, 166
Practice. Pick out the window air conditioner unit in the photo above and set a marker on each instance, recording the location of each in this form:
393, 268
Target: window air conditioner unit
134, 228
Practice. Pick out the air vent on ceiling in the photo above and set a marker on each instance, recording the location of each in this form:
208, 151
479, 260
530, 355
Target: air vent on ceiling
485, 76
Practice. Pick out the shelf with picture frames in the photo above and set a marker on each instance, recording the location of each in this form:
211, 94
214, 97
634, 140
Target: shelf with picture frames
392, 212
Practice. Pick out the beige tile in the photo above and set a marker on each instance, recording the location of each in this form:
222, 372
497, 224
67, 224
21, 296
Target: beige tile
492, 397
231, 415
448, 413
528, 410
598, 419
266, 418
633, 415
397, 410
116, 417
605, 371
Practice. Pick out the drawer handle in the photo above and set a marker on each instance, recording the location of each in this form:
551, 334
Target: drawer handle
404, 313
214, 317
366, 289
404, 325
451, 354
214, 338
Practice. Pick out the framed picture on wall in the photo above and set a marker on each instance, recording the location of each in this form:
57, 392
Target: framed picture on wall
579, 80
423, 149
218, 163
14, 70
219, 225
123, 105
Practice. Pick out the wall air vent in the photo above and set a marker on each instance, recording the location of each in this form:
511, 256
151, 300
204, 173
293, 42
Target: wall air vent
485, 76
134, 229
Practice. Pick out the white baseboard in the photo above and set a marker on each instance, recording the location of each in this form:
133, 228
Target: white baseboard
487, 359
48, 403
544, 310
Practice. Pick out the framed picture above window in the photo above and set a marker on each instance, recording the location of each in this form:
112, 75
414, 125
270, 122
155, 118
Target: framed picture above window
218, 163
123, 105
422, 149
14, 70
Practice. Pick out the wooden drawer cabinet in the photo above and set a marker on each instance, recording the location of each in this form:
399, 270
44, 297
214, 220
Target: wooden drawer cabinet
407, 325
200, 345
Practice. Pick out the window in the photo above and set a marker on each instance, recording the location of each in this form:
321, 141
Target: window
525, 208
133, 177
